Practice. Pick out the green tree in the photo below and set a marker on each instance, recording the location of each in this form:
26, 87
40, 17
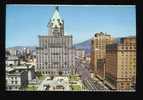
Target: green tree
38, 74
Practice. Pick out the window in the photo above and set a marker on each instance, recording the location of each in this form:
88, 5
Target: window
45, 46
126, 47
55, 63
55, 53
58, 20
46, 63
122, 52
15, 82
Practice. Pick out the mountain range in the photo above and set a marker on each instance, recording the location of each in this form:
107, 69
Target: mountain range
86, 45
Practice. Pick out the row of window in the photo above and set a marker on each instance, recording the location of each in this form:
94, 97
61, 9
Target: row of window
13, 78
60, 54
11, 87
53, 72
52, 67
125, 68
52, 63
14, 82
125, 84
128, 47
128, 55
126, 75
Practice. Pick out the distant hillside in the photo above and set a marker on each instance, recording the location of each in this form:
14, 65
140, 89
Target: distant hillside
20, 47
86, 45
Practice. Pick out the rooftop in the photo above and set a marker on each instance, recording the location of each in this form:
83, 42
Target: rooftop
8, 69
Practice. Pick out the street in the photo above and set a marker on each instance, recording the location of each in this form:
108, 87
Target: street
85, 75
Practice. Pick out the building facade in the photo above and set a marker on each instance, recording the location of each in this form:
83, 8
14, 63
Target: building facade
16, 80
55, 53
12, 60
98, 53
30, 70
12, 51
120, 67
80, 53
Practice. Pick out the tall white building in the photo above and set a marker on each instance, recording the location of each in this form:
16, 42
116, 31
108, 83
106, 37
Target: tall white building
55, 53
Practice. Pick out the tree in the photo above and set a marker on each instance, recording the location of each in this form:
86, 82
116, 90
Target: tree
38, 74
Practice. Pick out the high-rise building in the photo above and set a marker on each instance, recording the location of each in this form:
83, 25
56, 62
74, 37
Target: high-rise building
12, 51
55, 53
120, 72
98, 53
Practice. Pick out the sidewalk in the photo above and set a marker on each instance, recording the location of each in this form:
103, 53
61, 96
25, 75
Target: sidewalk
103, 83
109, 85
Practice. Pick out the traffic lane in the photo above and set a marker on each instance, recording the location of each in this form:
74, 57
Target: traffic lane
89, 85
98, 85
83, 71
85, 74
93, 85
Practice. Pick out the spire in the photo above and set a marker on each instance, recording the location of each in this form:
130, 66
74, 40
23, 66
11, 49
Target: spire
56, 18
56, 22
56, 15
57, 8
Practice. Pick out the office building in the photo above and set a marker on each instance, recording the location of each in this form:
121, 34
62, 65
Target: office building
98, 53
55, 53
120, 70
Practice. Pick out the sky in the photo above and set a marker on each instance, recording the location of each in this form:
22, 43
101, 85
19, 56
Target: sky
25, 22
